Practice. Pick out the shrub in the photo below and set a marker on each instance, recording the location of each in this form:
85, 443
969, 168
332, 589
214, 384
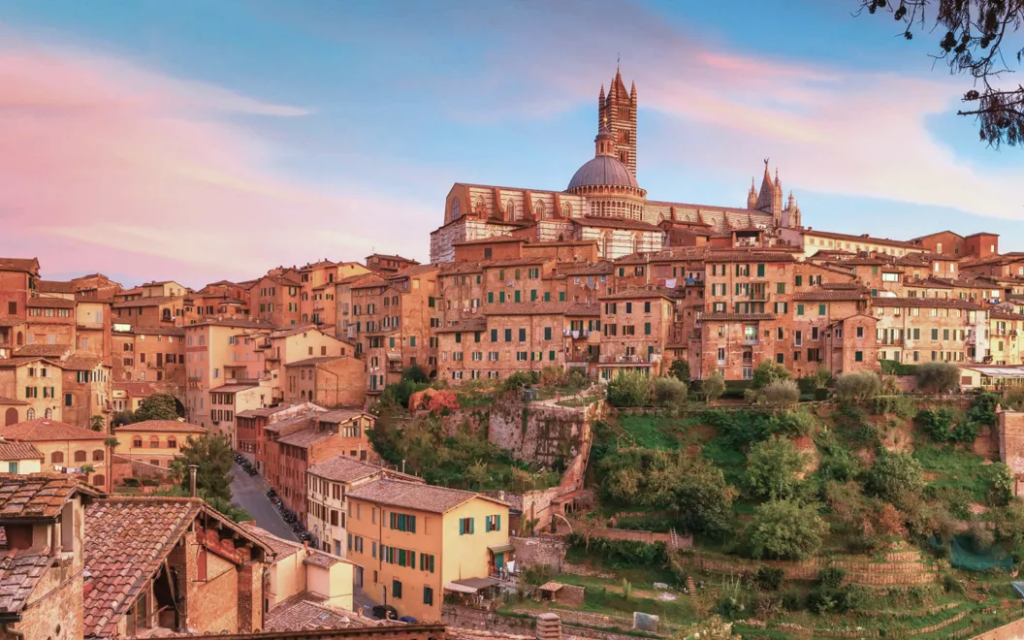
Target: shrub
938, 377
773, 467
781, 392
1014, 398
787, 530
769, 578
901, 406
713, 386
938, 423
552, 376
670, 391
858, 386
895, 477
895, 368
629, 389
680, 370
768, 372
983, 409
793, 601
1002, 485
821, 393
521, 379
831, 577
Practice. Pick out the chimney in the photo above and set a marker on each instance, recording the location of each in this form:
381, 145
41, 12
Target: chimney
549, 627
192, 479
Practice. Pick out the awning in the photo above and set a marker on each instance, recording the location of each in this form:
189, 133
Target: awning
471, 585
501, 548
394, 356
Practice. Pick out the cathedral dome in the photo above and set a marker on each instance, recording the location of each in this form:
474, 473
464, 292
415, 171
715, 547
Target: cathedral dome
605, 171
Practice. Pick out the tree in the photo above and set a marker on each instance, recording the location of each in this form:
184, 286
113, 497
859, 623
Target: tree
415, 373
213, 456
970, 36
787, 530
938, 377
121, 418
703, 499
680, 370
629, 389
713, 386
858, 386
781, 392
895, 477
670, 391
97, 422
159, 406
773, 468
768, 372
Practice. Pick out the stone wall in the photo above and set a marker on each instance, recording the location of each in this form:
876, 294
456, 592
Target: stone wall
466, 618
537, 432
1012, 631
530, 552
122, 468
1010, 428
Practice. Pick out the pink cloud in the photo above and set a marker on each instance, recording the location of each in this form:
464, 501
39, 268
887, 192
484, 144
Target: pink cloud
138, 172
831, 129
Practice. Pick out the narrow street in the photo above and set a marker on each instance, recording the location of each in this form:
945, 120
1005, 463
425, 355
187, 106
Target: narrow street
250, 493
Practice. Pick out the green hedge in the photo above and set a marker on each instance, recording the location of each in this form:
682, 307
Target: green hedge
735, 389
894, 368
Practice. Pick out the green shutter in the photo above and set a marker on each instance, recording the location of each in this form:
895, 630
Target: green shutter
760, 270
799, 309
517, 296
490, 296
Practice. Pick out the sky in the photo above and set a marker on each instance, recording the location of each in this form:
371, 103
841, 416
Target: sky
196, 141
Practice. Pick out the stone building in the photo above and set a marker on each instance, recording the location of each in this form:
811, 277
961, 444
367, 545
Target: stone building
917, 330
329, 381
635, 327
66, 448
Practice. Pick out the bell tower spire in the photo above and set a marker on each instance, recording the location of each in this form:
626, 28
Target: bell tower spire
617, 113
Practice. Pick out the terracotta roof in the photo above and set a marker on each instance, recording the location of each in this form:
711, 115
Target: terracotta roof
234, 388
12, 322
46, 350
575, 269
322, 560
637, 294
420, 497
341, 415
291, 424
617, 223
160, 426
125, 543
344, 469
269, 411
713, 317
282, 548
135, 389
28, 265
19, 451
516, 262
293, 331
81, 362
926, 303
861, 238
1006, 315
19, 575
840, 285
43, 430
151, 301
827, 295
372, 281
12, 401
305, 438
415, 270
237, 323
459, 326
37, 495
583, 309
456, 268
306, 611
391, 257
733, 255
55, 286
50, 303
316, 360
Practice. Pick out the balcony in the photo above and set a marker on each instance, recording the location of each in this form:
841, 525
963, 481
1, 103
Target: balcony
750, 341
634, 359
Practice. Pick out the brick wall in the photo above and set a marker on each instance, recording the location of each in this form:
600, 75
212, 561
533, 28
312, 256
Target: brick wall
1011, 439
57, 614
549, 552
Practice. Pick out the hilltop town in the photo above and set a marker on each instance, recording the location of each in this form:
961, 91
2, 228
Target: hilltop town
631, 396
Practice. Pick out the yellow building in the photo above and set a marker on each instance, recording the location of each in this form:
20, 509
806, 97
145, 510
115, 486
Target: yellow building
327, 485
411, 542
65, 448
20, 457
1006, 335
155, 442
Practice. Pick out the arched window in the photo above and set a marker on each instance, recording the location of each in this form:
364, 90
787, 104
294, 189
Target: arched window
540, 209
30, 414
97, 455
137, 442
57, 457
10, 416
20, 339
80, 456
607, 245
510, 210
48, 414
172, 442
99, 481
637, 243
455, 208
154, 442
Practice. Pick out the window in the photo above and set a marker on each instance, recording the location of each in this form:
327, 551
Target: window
80, 456
396, 589
466, 526
137, 442
427, 562
780, 358
57, 457
492, 523
780, 287
522, 335
821, 309
799, 309
428, 596
858, 356
860, 332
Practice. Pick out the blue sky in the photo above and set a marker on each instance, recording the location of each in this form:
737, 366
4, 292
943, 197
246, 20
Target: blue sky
198, 140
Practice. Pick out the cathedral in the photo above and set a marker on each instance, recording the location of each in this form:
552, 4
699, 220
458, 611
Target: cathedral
603, 201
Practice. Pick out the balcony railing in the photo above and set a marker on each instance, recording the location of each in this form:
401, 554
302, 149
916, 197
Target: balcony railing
634, 359
750, 341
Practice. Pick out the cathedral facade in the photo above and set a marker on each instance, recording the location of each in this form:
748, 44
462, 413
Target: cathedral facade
603, 201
